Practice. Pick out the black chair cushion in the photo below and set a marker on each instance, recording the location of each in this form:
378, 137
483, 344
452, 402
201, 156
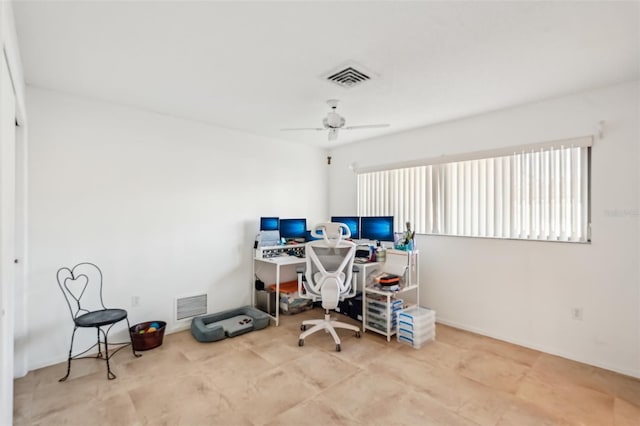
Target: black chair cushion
100, 318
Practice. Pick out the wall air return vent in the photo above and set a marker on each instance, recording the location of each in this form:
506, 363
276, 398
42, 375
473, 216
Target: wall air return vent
191, 306
348, 76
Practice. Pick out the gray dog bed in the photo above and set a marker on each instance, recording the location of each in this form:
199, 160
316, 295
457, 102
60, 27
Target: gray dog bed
231, 323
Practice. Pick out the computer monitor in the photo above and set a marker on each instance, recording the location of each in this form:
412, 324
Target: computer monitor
310, 237
353, 222
378, 228
293, 229
269, 223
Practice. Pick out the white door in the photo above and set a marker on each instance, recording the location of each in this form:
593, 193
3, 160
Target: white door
7, 240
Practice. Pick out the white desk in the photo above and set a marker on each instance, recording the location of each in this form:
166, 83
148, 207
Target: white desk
277, 263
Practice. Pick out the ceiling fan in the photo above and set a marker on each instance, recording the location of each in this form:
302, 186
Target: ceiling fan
334, 122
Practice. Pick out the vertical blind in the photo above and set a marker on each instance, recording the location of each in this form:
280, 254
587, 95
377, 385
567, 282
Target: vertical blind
537, 194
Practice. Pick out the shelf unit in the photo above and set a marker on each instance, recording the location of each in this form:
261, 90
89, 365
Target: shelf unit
364, 271
380, 306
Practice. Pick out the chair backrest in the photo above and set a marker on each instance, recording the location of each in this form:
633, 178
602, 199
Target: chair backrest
329, 264
82, 288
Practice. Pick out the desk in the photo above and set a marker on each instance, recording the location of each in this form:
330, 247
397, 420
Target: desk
277, 263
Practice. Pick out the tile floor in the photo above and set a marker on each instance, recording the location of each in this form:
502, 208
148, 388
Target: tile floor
265, 378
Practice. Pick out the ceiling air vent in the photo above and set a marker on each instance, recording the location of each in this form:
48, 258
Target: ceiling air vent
348, 76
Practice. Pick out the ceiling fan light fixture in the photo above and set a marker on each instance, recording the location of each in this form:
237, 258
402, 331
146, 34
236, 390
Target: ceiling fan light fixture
334, 121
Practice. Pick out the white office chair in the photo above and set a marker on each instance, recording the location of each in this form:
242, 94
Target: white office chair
328, 277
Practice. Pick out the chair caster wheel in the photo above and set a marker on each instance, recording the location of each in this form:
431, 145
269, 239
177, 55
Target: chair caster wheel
338, 347
358, 334
301, 342
303, 327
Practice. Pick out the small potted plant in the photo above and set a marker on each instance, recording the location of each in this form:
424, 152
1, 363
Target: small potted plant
409, 236
406, 240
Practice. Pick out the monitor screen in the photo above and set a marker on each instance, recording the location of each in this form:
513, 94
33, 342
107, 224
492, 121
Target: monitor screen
353, 222
311, 237
269, 223
293, 228
378, 228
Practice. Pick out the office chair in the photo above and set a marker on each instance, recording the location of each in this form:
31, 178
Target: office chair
82, 289
328, 277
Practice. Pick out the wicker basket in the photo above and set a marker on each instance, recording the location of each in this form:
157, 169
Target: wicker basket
146, 341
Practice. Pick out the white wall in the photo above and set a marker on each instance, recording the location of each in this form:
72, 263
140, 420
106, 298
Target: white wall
523, 291
167, 207
7, 238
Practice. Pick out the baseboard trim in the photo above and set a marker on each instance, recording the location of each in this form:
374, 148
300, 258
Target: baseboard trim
541, 348
177, 328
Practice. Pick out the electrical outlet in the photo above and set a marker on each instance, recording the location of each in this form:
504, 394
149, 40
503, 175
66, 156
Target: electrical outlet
576, 314
135, 301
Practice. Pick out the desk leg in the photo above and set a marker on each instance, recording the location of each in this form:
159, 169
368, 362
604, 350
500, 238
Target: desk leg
253, 287
364, 310
277, 307
388, 318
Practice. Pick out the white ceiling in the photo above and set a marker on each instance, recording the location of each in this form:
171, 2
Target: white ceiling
256, 66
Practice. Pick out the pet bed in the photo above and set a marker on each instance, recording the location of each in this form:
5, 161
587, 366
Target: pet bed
231, 323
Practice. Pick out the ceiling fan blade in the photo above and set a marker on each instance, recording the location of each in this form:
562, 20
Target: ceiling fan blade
367, 126
333, 134
303, 128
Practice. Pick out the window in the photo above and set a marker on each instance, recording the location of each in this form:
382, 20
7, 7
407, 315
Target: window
540, 192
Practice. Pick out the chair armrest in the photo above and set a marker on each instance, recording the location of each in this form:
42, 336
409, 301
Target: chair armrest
354, 282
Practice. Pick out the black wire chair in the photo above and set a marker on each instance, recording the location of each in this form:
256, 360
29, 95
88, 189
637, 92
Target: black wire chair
82, 289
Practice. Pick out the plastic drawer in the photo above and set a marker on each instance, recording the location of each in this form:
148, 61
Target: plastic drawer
414, 342
415, 326
418, 337
382, 304
417, 315
382, 313
375, 310
383, 319
379, 326
411, 342
377, 313
414, 331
